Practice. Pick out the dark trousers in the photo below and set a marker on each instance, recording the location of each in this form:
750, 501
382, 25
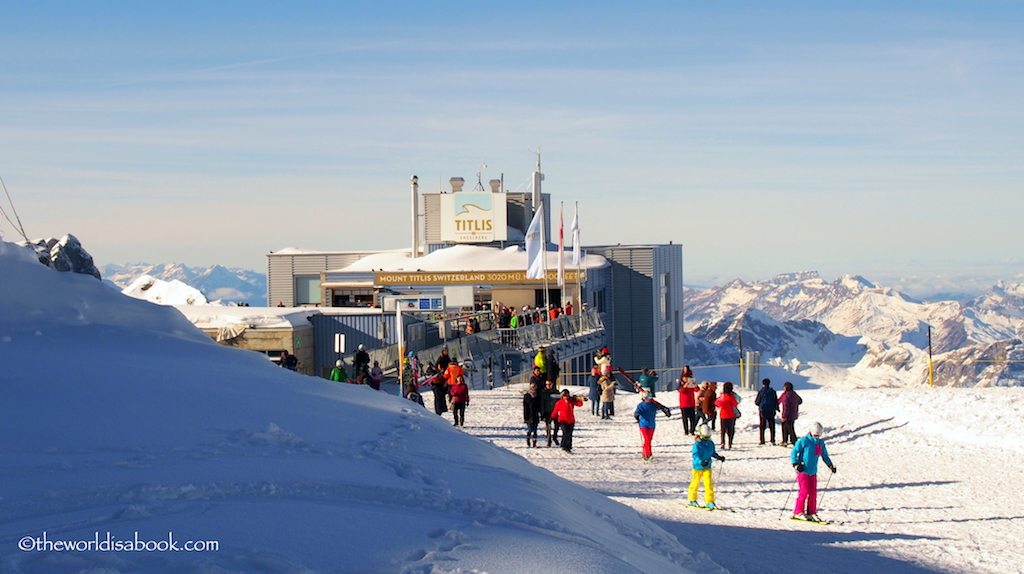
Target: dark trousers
689, 420
567, 436
531, 430
789, 432
551, 431
459, 412
769, 422
728, 431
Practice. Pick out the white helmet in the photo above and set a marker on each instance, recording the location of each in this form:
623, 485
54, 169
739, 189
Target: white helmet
361, 347
337, 363
815, 429
704, 431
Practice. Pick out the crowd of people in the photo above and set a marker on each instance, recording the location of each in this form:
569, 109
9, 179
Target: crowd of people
703, 408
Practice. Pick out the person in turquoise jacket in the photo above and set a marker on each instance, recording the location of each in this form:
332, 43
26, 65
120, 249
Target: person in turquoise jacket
648, 380
703, 451
804, 456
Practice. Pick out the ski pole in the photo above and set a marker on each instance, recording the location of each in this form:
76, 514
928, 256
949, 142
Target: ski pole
822, 495
786, 505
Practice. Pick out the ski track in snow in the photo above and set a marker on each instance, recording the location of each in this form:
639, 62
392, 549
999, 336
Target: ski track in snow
928, 480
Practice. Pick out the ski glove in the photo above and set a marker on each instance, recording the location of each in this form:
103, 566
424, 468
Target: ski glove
705, 463
833, 469
799, 467
720, 457
667, 412
637, 417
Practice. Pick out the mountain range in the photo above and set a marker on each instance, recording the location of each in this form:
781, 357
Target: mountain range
217, 283
858, 333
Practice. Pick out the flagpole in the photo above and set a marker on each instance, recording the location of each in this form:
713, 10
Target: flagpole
544, 261
577, 258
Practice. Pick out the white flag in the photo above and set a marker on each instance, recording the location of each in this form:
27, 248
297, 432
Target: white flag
561, 248
574, 228
535, 245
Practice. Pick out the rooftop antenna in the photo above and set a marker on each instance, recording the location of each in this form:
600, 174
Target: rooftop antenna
479, 182
20, 228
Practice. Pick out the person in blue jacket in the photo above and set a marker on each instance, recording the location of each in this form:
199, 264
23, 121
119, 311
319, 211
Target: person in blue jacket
804, 457
703, 451
645, 414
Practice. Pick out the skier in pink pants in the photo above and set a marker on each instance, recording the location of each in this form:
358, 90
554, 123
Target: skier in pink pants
804, 457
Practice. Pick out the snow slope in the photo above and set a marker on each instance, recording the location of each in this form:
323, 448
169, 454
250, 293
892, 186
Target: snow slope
928, 480
121, 419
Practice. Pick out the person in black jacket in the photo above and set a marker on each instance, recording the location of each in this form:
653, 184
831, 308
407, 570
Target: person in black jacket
767, 402
550, 396
533, 405
440, 387
554, 369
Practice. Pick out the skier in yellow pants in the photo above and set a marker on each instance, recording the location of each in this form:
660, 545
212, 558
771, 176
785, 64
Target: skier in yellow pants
703, 451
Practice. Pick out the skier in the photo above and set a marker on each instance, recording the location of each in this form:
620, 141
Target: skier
703, 451
688, 404
767, 404
338, 373
789, 403
728, 412
645, 414
533, 404
804, 457
564, 414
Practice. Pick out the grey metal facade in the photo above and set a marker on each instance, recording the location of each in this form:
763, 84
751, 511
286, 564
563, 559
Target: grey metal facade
284, 268
643, 307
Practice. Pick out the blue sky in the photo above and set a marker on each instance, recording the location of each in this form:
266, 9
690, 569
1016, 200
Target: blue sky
860, 138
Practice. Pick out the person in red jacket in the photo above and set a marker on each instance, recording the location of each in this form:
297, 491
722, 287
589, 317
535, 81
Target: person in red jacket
688, 403
460, 400
565, 415
727, 404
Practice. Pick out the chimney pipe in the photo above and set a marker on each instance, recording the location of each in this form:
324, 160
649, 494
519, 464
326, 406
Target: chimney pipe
415, 217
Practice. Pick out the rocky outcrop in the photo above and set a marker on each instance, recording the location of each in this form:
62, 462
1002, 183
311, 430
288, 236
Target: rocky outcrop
65, 254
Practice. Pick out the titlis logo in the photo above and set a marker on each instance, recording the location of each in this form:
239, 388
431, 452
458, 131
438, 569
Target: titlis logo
470, 225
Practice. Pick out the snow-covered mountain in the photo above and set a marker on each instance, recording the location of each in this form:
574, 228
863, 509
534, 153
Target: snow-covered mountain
216, 283
890, 330
162, 292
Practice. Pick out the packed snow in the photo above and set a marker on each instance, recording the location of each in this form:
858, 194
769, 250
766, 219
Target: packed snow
122, 419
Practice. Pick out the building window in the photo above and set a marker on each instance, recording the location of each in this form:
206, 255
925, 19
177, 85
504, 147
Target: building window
665, 311
307, 290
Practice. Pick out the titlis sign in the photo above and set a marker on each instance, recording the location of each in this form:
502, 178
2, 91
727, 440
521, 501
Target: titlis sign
473, 217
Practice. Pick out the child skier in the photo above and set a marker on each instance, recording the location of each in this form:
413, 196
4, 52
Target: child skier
805, 457
703, 451
645, 415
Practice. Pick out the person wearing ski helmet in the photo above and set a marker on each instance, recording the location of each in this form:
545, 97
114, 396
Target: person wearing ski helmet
645, 414
804, 457
362, 360
703, 451
338, 373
